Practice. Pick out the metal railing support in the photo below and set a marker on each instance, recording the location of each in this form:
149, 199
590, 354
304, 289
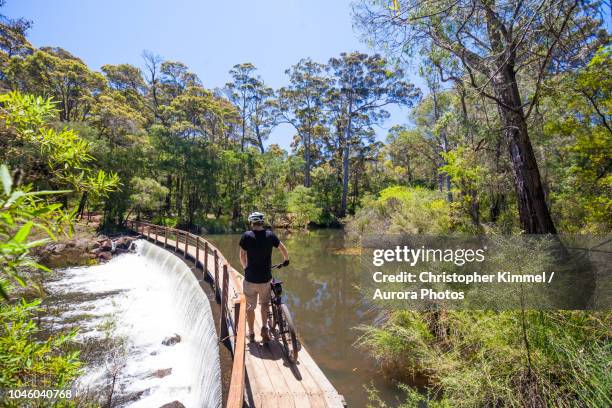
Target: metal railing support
186, 249
223, 332
216, 260
197, 249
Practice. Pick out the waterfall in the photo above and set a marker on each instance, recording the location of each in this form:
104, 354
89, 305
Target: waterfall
146, 296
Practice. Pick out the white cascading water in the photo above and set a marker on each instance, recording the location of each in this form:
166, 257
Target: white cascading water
146, 296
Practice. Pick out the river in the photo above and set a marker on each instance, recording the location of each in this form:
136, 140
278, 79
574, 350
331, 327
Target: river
320, 290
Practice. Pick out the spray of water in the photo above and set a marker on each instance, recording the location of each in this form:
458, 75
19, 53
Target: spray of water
146, 297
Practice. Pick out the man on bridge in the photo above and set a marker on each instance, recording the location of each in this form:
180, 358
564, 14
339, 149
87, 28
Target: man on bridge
256, 259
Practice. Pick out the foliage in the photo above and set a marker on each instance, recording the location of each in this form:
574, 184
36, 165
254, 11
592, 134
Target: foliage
402, 209
26, 360
148, 194
303, 207
66, 155
23, 211
479, 358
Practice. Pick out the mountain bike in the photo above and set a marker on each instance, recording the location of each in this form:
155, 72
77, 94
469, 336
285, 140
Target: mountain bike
280, 321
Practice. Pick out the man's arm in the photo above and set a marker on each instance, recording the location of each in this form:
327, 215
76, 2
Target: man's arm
243, 258
283, 250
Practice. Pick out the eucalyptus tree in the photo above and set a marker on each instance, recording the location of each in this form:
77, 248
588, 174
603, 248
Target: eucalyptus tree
240, 92
129, 81
54, 72
501, 48
262, 117
13, 36
362, 86
301, 104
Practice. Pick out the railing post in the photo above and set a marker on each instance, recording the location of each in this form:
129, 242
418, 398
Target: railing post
165, 237
223, 332
205, 257
216, 260
235, 397
197, 257
176, 240
236, 319
186, 252
156, 234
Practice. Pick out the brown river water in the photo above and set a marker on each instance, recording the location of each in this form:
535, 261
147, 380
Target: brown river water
320, 289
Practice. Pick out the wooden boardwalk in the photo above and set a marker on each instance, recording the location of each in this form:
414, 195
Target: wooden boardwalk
270, 380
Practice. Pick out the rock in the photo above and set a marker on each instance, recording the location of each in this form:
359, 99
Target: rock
172, 340
95, 245
161, 373
105, 256
106, 245
173, 404
124, 242
57, 248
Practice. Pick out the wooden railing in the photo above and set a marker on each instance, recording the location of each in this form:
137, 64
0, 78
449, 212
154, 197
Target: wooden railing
228, 293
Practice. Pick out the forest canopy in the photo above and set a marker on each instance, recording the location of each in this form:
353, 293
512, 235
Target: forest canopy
487, 132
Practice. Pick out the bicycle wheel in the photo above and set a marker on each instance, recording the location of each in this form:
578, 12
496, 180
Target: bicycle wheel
288, 336
274, 323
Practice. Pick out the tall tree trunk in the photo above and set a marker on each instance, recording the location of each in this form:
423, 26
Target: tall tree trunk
259, 140
82, 204
168, 204
449, 193
307, 159
345, 160
533, 211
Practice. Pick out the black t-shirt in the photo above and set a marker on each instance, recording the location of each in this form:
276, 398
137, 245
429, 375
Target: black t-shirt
258, 246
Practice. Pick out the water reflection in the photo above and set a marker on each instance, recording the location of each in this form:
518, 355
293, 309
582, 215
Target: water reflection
320, 291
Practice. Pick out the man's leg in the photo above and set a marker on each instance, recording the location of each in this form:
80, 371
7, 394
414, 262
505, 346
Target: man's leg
264, 304
250, 316
251, 302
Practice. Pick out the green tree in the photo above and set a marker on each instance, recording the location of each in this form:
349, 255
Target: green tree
303, 207
54, 72
363, 86
490, 47
301, 104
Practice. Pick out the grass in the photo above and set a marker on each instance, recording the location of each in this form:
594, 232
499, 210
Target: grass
481, 359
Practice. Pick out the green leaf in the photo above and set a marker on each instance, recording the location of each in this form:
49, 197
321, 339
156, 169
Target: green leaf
23, 233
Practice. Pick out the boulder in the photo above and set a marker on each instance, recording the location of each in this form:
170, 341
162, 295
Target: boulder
163, 372
124, 242
105, 256
57, 248
171, 340
106, 245
173, 404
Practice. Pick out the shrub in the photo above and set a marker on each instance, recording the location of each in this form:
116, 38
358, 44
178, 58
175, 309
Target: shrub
303, 206
400, 209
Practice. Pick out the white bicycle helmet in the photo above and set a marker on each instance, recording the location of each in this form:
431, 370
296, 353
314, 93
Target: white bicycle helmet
256, 217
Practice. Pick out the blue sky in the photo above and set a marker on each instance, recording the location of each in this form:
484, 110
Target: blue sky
209, 36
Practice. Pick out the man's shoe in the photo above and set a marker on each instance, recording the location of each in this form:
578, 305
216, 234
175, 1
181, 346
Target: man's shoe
265, 334
251, 337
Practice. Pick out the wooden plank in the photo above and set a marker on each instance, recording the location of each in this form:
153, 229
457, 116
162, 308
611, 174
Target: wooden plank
235, 397
294, 385
261, 385
290, 393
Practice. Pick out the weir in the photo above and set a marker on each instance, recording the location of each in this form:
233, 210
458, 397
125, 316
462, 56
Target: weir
126, 308
198, 326
261, 375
